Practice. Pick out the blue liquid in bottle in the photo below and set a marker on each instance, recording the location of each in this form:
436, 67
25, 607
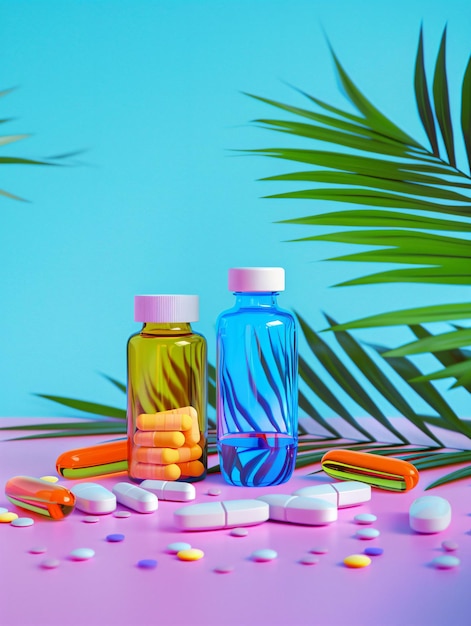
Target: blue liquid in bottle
257, 394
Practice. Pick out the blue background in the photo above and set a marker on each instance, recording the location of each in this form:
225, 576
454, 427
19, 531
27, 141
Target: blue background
159, 202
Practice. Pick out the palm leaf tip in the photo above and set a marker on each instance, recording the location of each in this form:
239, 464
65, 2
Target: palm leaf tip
422, 98
442, 101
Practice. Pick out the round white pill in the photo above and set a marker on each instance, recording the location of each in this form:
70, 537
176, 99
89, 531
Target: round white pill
365, 518
82, 554
91, 519
3, 510
446, 562
38, 550
122, 514
319, 550
367, 533
449, 546
22, 521
214, 491
264, 555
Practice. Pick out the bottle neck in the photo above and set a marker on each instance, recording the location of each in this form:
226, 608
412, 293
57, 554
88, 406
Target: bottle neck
166, 329
255, 299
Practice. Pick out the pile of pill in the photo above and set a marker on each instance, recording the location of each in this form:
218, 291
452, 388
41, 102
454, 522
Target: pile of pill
167, 445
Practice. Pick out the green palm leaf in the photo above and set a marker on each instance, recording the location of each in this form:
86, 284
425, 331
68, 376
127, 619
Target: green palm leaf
401, 191
441, 100
422, 98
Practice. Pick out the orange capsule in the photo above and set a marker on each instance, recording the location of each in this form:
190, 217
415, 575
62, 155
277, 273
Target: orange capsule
378, 471
39, 496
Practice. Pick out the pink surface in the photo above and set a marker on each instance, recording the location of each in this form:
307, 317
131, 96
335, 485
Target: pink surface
399, 587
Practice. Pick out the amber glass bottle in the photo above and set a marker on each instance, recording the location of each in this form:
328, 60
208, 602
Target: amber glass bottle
166, 389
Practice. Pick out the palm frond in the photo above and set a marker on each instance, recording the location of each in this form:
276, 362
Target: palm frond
400, 183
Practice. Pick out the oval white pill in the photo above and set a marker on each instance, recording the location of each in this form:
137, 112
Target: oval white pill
449, 546
264, 555
224, 569
136, 498
91, 519
50, 563
239, 532
38, 550
214, 492
309, 559
82, 554
367, 533
93, 498
122, 514
365, 518
3, 510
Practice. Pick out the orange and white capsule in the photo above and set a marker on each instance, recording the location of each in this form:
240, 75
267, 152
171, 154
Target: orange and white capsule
155, 472
165, 456
174, 419
159, 438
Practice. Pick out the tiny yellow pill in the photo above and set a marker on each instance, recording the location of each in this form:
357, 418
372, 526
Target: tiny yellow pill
357, 560
193, 554
8, 517
50, 479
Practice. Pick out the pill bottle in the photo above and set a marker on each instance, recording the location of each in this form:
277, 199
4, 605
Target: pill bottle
257, 390
166, 391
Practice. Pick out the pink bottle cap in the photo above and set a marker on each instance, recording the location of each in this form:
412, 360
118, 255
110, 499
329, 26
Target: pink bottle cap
166, 308
257, 279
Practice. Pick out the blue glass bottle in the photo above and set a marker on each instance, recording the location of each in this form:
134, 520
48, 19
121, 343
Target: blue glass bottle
257, 390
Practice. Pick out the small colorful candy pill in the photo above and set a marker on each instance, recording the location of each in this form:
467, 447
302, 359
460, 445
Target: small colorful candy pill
193, 554
49, 479
239, 532
38, 550
319, 550
367, 533
50, 563
91, 519
365, 518
357, 560
373, 551
449, 546
264, 555
309, 559
22, 522
94, 498
136, 498
82, 554
173, 548
115, 538
147, 563
224, 569
214, 491
7, 517
445, 562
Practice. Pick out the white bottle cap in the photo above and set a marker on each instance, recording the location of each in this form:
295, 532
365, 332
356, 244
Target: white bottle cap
257, 279
166, 308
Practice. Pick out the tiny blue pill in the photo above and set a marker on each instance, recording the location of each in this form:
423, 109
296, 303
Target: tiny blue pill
114, 538
365, 518
147, 563
373, 551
